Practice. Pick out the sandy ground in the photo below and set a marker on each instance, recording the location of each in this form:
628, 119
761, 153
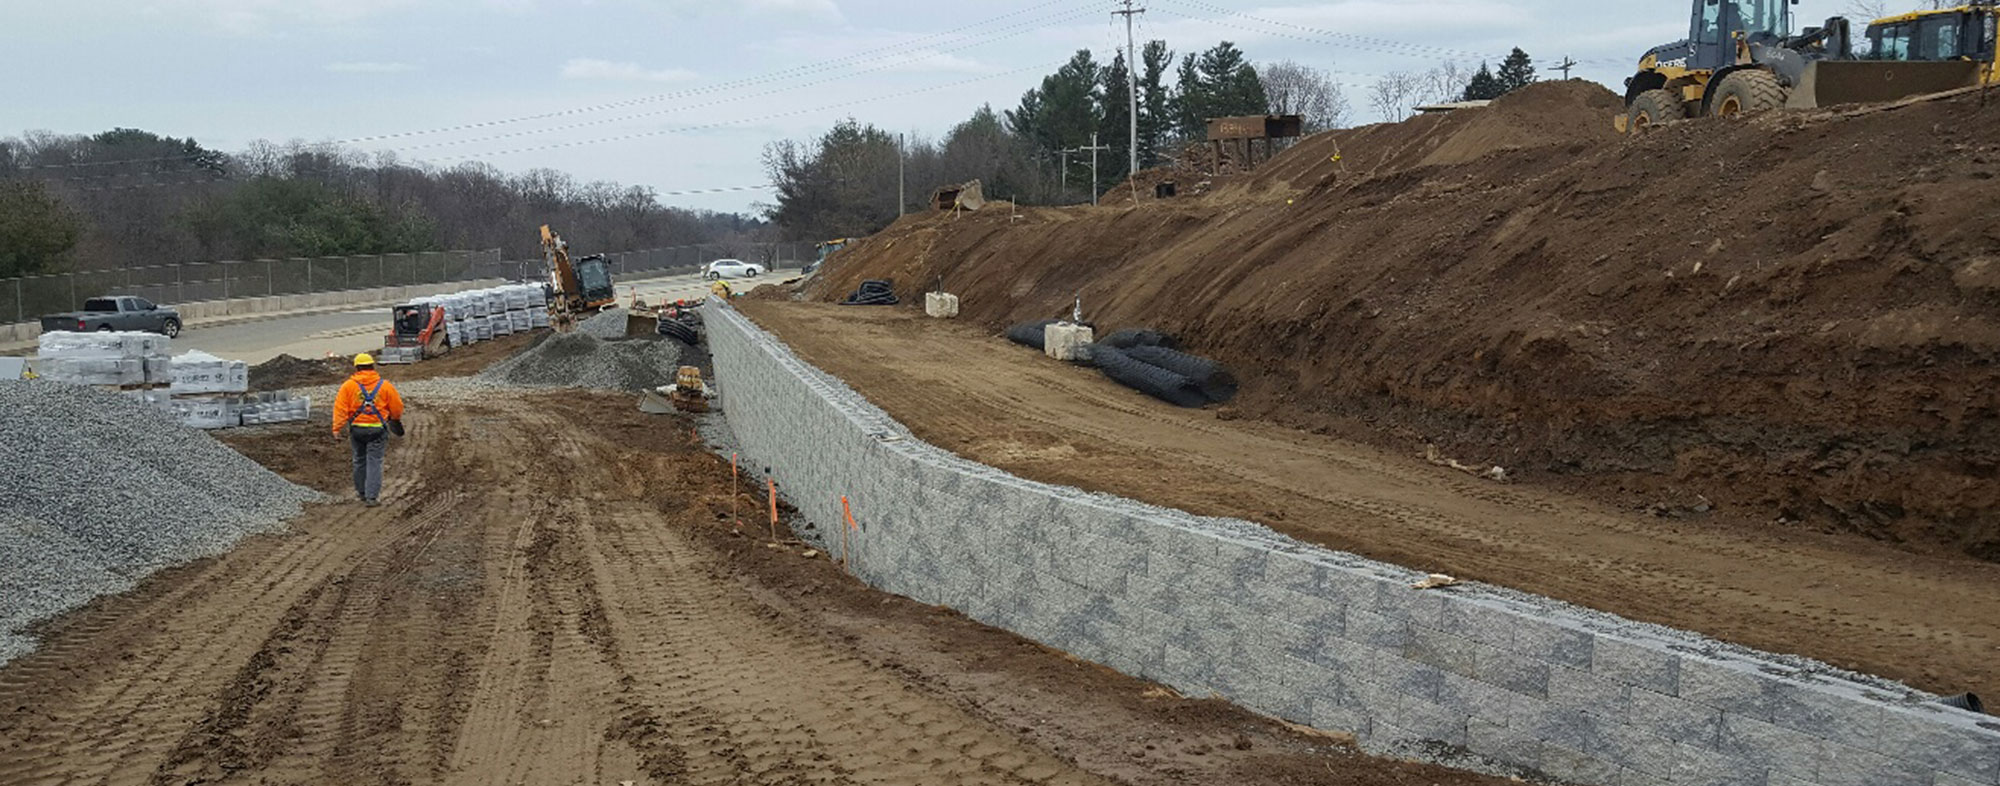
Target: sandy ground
550, 596
1931, 621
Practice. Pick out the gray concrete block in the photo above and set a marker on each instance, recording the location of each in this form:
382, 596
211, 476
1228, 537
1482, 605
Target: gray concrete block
1584, 690
1333, 715
1438, 648
1577, 766
1479, 619
1520, 675
1702, 767
1785, 751
1295, 572
1949, 741
1637, 749
1729, 686
1419, 607
1376, 630
1948, 779
1636, 664
1551, 640
1845, 766
1501, 742
1426, 720
1682, 721
1480, 700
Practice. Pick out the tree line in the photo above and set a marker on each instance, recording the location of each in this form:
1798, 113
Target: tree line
131, 198
845, 181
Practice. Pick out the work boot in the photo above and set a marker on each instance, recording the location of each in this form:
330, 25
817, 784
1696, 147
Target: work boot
370, 503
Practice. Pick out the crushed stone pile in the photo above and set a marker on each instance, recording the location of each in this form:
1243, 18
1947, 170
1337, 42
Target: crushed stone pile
106, 490
592, 357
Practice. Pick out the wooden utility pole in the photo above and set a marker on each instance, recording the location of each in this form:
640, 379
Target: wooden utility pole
1132, 91
1094, 147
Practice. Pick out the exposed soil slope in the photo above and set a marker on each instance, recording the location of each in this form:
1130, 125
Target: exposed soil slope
1793, 319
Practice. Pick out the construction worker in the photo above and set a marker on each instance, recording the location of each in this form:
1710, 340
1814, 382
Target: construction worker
369, 408
720, 288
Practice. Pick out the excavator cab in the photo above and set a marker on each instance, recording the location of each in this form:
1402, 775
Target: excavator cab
593, 278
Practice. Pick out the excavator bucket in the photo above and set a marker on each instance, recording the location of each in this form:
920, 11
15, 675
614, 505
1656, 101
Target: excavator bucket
1831, 82
653, 402
641, 323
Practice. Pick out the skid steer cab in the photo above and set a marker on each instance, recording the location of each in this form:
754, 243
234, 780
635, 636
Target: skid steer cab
1740, 56
416, 332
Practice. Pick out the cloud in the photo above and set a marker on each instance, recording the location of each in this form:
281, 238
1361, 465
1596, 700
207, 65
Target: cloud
818, 9
589, 68
369, 68
931, 61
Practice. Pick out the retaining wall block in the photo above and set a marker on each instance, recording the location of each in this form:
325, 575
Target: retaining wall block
1783, 749
1958, 743
1701, 767
1636, 664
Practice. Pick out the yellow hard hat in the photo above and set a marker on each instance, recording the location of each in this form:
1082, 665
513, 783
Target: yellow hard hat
364, 359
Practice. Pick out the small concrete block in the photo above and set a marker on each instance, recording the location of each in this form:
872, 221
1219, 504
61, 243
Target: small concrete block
1066, 342
1586, 691
1420, 607
1637, 749
1501, 742
1682, 721
1948, 779
1376, 630
1573, 729
1845, 766
1479, 619
1295, 573
1520, 675
1443, 650
1548, 640
1785, 751
1575, 766
1832, 711
941, 305
1428, 721
1699, 767
1725, 685
1638, 665
1331, 715
1949, 741
1481, 700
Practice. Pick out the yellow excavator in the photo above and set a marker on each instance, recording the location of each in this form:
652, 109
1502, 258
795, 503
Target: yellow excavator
576, 288
1740, 56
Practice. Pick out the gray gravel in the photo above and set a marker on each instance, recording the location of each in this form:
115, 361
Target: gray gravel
105, 491
595, 356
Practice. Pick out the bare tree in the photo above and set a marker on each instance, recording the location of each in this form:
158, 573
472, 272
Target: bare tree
1394, 95
1444, 83
1295, 89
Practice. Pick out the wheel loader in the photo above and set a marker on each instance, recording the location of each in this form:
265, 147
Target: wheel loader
1740, 56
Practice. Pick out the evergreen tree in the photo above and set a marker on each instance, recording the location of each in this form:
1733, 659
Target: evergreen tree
1115, 132
1063, 111
1154, 121
1189, 105
1232, 84
1516, 72
1484, 86
37, 231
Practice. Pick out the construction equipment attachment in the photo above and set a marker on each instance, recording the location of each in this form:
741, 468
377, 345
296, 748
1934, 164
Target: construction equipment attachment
687, 394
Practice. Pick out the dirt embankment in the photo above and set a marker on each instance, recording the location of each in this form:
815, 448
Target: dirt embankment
1793, 320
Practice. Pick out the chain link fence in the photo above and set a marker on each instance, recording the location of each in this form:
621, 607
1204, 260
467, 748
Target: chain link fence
26, 299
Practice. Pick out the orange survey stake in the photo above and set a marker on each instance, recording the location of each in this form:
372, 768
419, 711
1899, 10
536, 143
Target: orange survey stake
774, 507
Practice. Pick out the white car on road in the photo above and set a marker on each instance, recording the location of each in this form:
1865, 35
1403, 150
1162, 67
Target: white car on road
732, 268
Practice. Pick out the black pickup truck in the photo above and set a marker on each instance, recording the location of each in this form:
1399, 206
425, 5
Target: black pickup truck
117, 313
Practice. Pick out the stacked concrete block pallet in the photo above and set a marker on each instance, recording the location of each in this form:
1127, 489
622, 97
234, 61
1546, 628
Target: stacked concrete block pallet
1230, 608
134, 363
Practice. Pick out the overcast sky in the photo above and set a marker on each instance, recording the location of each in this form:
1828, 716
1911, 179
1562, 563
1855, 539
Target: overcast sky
684, 94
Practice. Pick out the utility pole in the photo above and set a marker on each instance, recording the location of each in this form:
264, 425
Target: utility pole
1064, 158
1566, 65
1094, 147
1132, 91
902, 201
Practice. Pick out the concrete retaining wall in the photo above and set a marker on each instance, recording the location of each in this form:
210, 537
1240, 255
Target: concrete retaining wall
1226, 607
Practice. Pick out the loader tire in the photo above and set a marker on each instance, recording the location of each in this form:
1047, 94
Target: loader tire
1747, 91
1655, 108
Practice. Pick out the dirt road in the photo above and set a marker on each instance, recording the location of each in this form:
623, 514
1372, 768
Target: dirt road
1931, 621
548, 598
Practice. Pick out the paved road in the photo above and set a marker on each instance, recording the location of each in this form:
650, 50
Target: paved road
361, 329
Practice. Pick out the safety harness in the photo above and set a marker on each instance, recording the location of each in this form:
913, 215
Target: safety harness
368, 407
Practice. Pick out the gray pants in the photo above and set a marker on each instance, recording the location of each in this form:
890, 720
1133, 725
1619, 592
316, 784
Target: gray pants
369, 444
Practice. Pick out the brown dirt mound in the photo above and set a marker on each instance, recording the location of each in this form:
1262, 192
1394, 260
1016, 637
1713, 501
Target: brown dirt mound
1791, 319
284, 372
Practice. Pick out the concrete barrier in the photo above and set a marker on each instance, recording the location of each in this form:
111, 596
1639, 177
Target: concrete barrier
214, 311
1312, 636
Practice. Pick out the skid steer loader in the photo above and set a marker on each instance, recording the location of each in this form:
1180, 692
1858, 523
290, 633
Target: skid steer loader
1740, 56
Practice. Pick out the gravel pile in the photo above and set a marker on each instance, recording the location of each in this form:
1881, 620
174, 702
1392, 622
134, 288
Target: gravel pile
104, 491
592, 357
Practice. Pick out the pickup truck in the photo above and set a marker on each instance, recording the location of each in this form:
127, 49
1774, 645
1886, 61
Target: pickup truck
117, 313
